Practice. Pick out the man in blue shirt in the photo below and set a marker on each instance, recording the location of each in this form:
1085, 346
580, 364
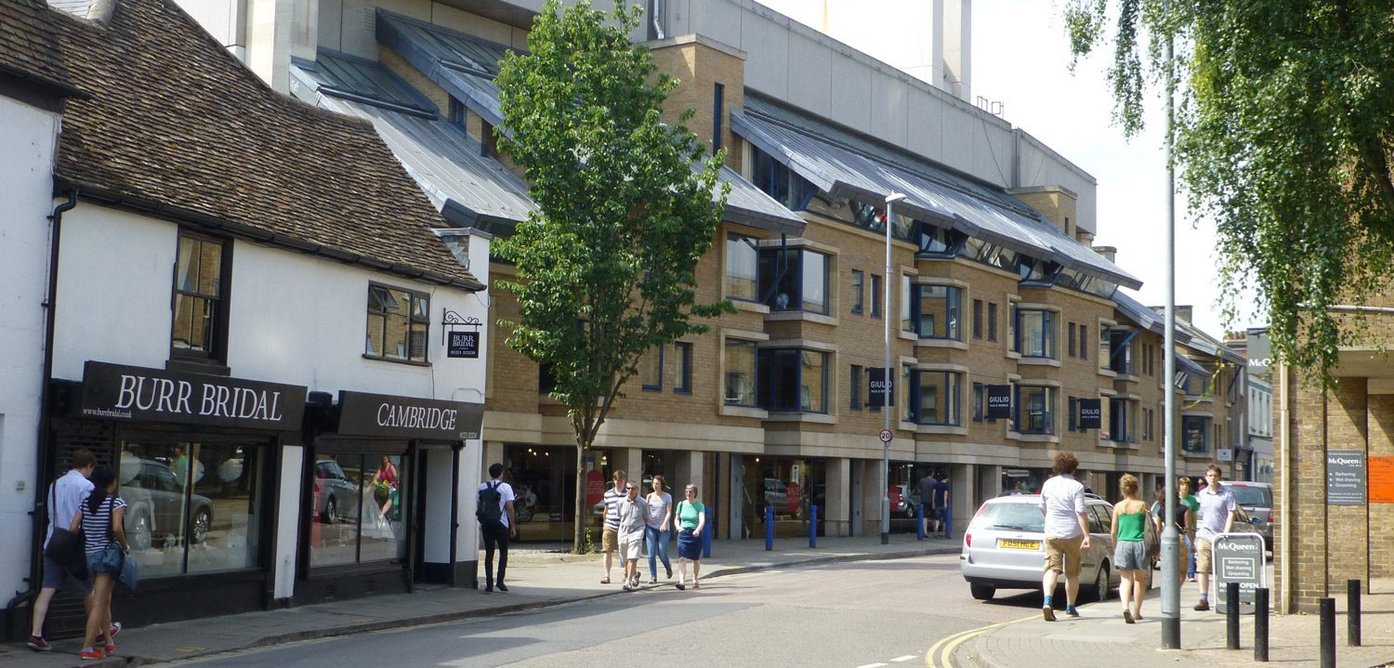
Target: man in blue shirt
1217, 509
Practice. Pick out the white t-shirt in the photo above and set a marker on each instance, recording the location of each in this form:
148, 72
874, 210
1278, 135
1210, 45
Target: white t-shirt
505, 497
68, 493
1062, 500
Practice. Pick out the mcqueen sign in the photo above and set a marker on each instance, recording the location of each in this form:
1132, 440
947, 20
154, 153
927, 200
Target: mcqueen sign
363, 414
157, 395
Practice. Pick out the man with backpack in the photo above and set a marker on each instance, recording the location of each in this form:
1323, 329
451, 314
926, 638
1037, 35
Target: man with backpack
496, 523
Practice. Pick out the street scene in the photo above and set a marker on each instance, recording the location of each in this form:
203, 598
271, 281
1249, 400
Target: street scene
757, 332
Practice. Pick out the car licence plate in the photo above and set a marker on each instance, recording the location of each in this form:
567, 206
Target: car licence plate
1013, 544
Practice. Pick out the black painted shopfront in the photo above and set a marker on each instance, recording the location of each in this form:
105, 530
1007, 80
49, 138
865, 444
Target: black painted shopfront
196, 457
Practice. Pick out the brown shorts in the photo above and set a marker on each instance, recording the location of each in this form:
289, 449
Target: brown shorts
609, 540
1204, 555
1067, 549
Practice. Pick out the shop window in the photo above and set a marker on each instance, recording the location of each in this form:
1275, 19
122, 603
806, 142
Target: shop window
740, 373
794, 380
651, 369
398, 324
1036, 333
683, 382
742, 268
357, 506
1195, 434
935, 397
200, 299
935, 311
192, 507
794, 279
1035, 410
858, 293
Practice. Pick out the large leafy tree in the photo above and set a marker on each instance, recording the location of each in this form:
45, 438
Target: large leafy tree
627, 205
1283, 137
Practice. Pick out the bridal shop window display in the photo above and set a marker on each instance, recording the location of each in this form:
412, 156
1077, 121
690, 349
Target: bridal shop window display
356, 502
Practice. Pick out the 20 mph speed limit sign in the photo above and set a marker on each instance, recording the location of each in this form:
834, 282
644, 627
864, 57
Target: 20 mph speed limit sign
886, 436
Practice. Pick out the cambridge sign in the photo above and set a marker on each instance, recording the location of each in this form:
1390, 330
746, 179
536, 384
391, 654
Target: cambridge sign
363, 414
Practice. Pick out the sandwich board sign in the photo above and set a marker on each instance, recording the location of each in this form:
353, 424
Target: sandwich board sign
1238, 557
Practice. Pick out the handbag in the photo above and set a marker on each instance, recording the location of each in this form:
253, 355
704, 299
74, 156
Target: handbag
1151, 541
66, 548
130, 573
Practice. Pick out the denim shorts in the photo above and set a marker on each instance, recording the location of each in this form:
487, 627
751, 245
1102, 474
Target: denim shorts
1131, 555
57, 577
105, 562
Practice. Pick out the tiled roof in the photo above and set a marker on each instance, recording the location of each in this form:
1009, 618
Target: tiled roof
176, 124
28, 49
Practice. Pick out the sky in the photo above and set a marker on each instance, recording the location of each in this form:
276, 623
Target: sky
1021, 58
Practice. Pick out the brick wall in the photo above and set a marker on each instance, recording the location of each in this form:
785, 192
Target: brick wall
1380, 427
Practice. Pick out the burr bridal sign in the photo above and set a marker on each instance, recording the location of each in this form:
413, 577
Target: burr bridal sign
113, 391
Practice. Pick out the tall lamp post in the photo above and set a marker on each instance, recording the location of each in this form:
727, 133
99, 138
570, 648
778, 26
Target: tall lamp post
1171, 541
886, 379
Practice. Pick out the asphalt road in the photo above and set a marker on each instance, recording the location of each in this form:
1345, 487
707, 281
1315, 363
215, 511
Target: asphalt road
849, 614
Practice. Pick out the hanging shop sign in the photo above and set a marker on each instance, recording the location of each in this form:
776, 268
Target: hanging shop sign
119, 392
1091, 414
999, 402
363, 414
879, 387
461, 335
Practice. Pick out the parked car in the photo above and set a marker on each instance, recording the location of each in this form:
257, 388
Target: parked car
336, 496
1004, 547
1256, 498
155, 506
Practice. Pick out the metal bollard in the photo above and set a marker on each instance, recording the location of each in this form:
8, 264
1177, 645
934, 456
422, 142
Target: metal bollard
769, 528
1328, 633
1353, 613
919, 524
1232, 615
1261, 624
707, 532
813, 526
949, 520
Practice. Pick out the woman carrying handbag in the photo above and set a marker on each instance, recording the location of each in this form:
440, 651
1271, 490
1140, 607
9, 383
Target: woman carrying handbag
101, 516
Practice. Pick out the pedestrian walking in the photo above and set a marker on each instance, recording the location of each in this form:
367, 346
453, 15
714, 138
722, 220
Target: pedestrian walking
658, 527
1217, 509
692, 520
1130, 517
931, 513
102, 519
1066, 534
610, 533
631, 534
942, 502
64, 496
497, 524
1183, 488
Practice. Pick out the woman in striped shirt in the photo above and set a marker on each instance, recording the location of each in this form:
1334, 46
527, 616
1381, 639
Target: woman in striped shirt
102, 516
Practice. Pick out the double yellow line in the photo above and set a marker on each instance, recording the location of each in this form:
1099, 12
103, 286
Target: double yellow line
941, 654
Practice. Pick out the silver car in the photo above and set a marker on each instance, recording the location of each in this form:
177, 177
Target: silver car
1004, 547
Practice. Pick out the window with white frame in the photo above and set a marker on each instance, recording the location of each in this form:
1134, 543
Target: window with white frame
398, 324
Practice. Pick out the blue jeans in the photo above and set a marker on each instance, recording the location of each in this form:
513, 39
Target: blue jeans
656, 544
1190, 556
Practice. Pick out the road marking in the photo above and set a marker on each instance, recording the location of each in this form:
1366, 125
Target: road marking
941, 653
903, 659
874, 665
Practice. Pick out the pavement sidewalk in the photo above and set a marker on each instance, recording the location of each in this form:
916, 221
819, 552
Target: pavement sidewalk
1101, 638
538, 577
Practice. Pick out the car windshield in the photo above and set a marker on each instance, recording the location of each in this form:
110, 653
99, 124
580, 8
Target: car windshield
1251, 496
1014, 516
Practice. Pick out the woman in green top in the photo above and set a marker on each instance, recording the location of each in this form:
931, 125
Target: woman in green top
1130, 519
692, 519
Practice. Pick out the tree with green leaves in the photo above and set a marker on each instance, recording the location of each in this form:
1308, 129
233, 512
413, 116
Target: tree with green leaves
627, 205
1284, 129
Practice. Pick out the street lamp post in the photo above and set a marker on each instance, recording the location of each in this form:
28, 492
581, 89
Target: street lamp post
1171, 541
886, 378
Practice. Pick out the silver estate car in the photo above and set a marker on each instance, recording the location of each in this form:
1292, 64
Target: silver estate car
1004, 548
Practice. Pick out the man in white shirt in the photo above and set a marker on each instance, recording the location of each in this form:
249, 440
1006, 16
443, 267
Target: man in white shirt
64, 497
497, 536
1217, 509
1066, 533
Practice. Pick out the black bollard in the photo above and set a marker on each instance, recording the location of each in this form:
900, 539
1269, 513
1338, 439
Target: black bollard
1353, 613
1328, 633
1232, 615
1261, 624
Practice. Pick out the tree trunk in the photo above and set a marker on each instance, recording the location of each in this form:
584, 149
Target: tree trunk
578, 544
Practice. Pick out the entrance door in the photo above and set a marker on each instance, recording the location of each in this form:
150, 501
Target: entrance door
854, 510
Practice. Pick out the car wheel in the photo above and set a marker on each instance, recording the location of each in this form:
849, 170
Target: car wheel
1101, 580
198, 527
982, 592
138, 534
331, 511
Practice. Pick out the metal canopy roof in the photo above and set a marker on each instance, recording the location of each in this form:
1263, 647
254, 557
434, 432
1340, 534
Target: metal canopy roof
841, 163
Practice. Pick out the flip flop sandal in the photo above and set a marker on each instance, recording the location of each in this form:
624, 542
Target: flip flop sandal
605, 581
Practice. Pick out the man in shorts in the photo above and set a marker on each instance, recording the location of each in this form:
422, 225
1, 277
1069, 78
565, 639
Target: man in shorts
931, 514
1066, 533
64, 497
609, 535
1217, 509
631, 534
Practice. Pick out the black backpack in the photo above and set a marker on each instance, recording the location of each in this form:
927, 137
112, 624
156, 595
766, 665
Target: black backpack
489, 514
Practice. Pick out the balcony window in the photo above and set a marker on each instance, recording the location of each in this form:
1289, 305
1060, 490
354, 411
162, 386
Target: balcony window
739, 373
1036, 333
936, 311
742, 268
793, 380
1035, 410
794, 279
935, 398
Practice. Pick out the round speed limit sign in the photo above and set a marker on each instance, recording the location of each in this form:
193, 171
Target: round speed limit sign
886, 436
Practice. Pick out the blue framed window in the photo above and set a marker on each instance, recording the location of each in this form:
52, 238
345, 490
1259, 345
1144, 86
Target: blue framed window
739, 373
683, 382
936, 398
1120, 350
794, 279
1121, 427
935, 311
781, 183
1035, 410
936, 241
1035, 333
651, 369
793, 380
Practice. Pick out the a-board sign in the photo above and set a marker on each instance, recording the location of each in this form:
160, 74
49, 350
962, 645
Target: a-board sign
1238, 557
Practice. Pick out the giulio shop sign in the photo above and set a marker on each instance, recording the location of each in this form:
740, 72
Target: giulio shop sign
132, 393
363, 414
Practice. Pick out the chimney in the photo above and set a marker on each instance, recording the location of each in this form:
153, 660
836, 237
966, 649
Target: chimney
1109, 252
1184, 312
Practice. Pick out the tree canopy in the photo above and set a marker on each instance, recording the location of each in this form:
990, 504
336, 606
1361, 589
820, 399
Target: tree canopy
1283, 134
627, 205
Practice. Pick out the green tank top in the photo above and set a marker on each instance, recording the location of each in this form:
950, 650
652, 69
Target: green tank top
1130, 526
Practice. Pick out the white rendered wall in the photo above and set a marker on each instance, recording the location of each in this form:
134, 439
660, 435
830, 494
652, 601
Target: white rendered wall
288, 521
26, 176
